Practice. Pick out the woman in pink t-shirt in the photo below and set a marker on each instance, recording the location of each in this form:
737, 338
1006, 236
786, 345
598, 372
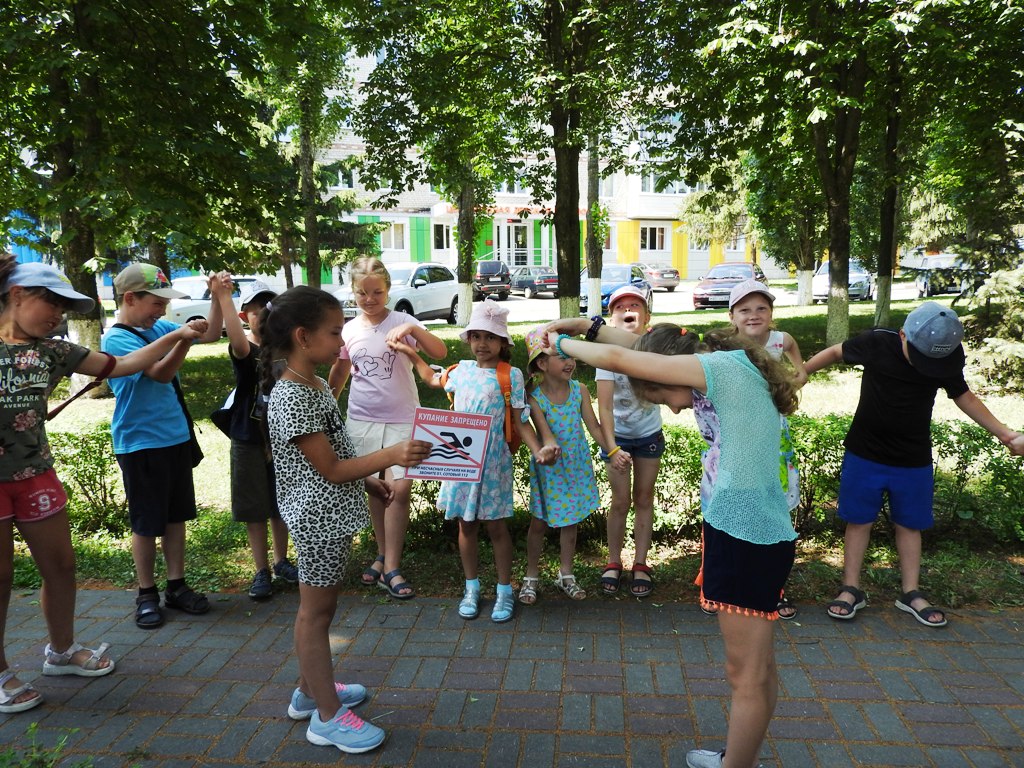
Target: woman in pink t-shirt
382, 401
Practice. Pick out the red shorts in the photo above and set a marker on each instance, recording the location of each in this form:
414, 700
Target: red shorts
35, 498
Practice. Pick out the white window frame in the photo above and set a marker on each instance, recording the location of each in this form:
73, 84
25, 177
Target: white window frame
657, 231
394, 237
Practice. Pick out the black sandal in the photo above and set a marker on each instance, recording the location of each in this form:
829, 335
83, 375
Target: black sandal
641, 587
860, 599
187, 600
923, 615
786, 605
147, 611
610, 584
395, 590
371, 575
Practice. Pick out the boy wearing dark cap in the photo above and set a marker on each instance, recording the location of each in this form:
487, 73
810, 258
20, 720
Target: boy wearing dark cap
888, 447
152, 438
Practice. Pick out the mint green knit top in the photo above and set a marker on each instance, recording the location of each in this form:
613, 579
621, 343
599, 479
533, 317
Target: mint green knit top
746, 500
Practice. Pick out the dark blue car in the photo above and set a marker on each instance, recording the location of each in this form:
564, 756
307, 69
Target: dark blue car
613, 277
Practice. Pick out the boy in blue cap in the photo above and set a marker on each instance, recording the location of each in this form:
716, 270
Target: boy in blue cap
888, 447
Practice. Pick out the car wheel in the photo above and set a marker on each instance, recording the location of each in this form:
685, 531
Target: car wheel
195, 317
453, 316
670, 288
528, 292
554, 294
404, 306
503, 295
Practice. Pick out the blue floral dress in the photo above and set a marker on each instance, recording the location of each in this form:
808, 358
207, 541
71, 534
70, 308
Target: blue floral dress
477, 391
564, 493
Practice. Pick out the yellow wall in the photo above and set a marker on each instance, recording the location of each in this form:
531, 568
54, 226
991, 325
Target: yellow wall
680, 247
628, 241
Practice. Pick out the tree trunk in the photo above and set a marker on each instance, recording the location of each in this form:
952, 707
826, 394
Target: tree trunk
890, 193
593, 246
80, 248
307, 191
804, 292
466, 247
157, 251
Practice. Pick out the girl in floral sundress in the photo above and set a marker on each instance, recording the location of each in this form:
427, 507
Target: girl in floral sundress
564, 493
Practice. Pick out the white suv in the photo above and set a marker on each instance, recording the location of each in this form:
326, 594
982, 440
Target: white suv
421, 289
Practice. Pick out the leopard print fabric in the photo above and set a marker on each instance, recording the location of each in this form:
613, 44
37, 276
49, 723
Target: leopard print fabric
321, 516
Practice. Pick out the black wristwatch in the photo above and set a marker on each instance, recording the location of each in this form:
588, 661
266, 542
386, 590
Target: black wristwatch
595, 328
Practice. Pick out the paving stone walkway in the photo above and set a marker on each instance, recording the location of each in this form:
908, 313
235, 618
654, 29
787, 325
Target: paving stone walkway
593, 684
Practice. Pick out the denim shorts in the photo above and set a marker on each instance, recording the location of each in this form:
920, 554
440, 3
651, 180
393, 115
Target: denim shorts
650, 447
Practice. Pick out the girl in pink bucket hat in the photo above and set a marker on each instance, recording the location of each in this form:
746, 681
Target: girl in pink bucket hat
476, 388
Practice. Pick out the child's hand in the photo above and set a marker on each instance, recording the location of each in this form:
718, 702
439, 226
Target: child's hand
411, 453
188, 333
199, 326
399, 332
1016, 445
547, 455
621, 461
400, 346
220, 283
380, 489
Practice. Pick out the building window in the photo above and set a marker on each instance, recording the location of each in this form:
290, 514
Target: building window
606, 186
442, 237
655, 184
346, 179
512, 188
652, 238
393, 238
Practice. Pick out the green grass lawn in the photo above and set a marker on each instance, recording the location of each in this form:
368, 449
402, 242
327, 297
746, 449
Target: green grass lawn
218, 557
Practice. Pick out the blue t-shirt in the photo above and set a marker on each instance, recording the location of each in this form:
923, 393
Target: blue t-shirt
746, 499
147, 413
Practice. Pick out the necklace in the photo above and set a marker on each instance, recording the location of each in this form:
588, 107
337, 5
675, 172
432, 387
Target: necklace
314, 384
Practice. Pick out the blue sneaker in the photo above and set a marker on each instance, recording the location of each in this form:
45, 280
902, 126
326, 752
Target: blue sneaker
346, 731
302, 706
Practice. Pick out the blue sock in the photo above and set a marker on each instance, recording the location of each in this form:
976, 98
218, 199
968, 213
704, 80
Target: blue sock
473, 584
504, 589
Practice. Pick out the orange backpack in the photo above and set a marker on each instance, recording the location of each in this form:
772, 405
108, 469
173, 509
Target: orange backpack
505, 382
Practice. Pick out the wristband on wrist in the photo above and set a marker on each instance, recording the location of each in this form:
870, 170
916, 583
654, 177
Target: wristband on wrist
613, 451
595, 328
558, 345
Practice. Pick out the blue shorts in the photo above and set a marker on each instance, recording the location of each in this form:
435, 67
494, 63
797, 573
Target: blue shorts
650, 447
910, 489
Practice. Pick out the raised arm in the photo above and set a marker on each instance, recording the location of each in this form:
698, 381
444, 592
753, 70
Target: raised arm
216, 316
828, 356
140, 359
671, 370
430, 376
237, 340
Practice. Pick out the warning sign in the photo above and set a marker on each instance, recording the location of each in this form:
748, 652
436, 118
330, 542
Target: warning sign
460, 445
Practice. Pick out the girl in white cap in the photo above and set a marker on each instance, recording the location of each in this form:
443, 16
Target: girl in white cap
477, 390
33, 300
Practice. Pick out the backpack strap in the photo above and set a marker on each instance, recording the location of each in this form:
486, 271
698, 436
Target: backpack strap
444, 380
108, 366
505, 382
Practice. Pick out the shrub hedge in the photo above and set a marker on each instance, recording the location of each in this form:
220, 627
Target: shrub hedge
979, 486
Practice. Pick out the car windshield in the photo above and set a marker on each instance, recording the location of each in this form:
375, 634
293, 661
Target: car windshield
400, 274
729, 272
615, 275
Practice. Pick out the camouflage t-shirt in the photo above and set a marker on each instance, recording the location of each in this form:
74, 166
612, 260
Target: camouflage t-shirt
28, 373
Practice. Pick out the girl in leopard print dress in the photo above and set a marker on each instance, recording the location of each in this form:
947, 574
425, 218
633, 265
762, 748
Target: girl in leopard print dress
321, 492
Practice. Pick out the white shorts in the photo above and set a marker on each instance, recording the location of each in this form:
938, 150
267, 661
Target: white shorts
370, 436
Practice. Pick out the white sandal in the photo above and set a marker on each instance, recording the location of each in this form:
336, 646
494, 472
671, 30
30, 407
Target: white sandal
8, 695
528, 590
61, 663
567, 584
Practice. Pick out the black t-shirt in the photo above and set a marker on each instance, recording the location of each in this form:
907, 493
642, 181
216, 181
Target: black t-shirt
250, 406
892, 424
